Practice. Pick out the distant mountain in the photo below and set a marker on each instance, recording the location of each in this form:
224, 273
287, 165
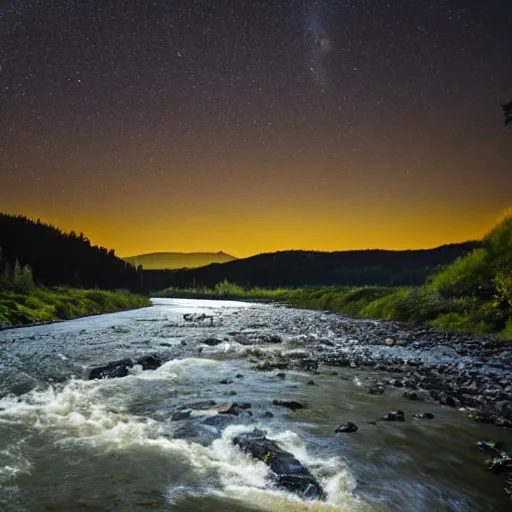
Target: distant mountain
175, 260
314, 268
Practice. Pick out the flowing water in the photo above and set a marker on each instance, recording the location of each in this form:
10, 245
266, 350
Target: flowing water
69, 444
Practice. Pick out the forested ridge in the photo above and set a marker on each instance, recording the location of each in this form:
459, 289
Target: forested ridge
58, 258
315, 268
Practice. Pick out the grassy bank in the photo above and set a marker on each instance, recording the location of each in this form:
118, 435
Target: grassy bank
47, 305
473, 294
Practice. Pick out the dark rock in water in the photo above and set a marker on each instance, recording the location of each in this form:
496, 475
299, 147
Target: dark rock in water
501, 464
245, 405
183, 414
394, 416
268, 414
212, 342
424, 416
289, 473
239, 376
149, 362
226, 381
347, 427
275, 339
311, 383
281, 375
290, 404
376, 390
490, 447
412, 395
112, 370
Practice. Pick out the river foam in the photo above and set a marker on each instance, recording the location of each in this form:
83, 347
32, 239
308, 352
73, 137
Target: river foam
95, 414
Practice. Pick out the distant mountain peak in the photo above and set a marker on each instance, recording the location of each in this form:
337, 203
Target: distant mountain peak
175, 260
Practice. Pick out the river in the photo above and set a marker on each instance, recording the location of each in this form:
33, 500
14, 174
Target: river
71, 444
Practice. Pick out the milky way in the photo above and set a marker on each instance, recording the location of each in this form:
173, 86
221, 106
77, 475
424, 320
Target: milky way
186, 124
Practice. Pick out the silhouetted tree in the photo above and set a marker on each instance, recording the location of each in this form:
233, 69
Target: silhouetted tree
507, 112
58, 258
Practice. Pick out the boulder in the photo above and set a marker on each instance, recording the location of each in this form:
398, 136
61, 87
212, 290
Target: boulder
289, 404
149, 362
424, 416
288, 472
212, 342
394, 416
347, 427
112, 370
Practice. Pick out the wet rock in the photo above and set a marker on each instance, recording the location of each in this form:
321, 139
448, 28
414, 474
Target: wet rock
183, 414
412, 395
424, 416
490, 447
394, 416
389, 342
347, 427
501, 464
112, 370
268, 414
228, 408
288, 472
149, 362
245, 405
239, 376
376, 389
275, 339
226, 381
212, 342
269, 365
289, 404
311, 382
281, 375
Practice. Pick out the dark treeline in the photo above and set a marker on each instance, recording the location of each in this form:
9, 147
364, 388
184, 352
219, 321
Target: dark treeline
58, 258
292, 269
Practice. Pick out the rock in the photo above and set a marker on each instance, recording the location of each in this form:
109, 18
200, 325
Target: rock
492, 448
239, 376
275, 339
149, 362
229, 408
245, 405
112, 370
389, 342
376, 390
212, 342
501, 464
411, 395
268, 414
289, 404
394, 416
347, 427
226, 381
288, 472
268, 365
311, 382
424, 416
281, 375
183, 414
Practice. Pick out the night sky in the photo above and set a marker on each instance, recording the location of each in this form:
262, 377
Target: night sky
257, 125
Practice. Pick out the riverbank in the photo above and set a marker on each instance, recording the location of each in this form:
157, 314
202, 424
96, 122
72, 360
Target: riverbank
415, 305
44, 305
473, 294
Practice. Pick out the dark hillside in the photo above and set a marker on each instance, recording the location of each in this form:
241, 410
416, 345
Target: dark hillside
58, 258
312, 268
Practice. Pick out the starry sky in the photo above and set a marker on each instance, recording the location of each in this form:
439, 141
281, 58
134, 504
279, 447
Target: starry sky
257, 125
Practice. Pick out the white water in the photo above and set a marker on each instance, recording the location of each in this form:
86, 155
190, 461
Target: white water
94, 413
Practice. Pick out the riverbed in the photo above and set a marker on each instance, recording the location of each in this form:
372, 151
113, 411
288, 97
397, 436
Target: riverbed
72, 444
